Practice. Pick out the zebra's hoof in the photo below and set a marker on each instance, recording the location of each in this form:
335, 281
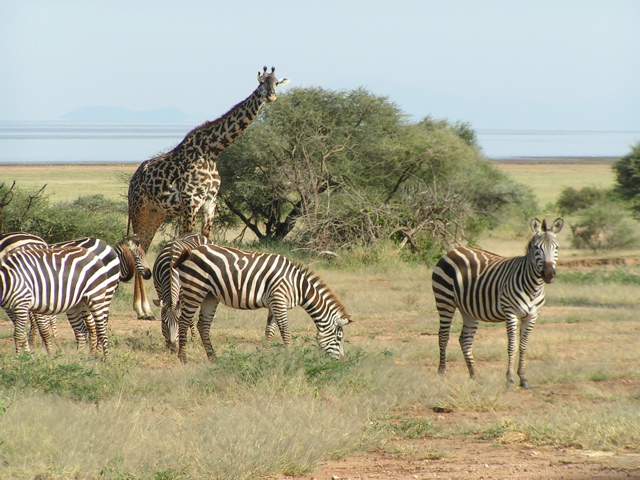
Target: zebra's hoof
524, 385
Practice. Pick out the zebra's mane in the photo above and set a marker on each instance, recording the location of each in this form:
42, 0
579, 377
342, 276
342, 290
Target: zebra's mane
313, 277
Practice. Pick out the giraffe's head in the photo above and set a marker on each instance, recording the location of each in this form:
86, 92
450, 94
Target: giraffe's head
268, 84
544, 247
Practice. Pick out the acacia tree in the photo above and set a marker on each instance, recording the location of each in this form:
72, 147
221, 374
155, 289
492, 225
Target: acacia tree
300, 150
328, 169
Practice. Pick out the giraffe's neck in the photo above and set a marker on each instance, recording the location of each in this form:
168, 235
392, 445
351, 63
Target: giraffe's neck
211, 138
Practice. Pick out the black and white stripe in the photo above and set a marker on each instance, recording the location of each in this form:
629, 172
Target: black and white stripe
121, 261
166, 283
49, 281
490, 288
246, 280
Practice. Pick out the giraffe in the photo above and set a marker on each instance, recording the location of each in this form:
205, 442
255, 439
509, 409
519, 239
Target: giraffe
185, 181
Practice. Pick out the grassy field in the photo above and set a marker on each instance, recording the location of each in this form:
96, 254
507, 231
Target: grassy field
68, 182
264, 412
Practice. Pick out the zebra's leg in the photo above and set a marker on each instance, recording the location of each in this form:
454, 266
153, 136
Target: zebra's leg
79, 326
33, 327
20, 317
270, 330
99, 312
278, 309
446, 317
207, 314
187, 313
525, 328
512, 330
76, 318
469, 329
54, 330
41, 323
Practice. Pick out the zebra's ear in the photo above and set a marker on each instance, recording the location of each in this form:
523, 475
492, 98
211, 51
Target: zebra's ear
344, 320
557, 225
535, 225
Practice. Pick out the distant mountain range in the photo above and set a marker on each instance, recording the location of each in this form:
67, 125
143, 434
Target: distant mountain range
116, 114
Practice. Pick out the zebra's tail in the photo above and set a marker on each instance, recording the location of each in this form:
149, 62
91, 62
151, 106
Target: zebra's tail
177, 260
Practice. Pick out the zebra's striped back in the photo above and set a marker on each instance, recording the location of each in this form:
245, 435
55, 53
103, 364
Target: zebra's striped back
491, 288
167, 284
249, 280
50, 281
14, 240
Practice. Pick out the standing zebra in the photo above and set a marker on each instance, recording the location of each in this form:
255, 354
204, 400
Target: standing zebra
49, 281
245, 280
491, 288
167, 284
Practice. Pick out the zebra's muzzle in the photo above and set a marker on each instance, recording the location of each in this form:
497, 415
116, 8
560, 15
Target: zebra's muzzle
549, 272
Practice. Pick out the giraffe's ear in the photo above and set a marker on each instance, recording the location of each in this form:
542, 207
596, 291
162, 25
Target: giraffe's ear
284, 81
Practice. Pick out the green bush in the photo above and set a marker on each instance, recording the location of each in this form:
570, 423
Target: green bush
88, 216
603, 226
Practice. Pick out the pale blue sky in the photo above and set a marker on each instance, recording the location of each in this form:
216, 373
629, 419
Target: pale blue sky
499, 65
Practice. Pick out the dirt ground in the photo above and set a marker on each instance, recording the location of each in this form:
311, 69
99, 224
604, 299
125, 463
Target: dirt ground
473, 459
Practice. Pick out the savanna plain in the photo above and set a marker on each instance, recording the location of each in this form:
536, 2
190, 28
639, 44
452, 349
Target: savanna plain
263, 412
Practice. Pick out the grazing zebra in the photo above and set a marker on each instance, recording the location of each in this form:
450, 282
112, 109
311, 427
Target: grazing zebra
166, 283
121, 261
491, 288
245, 280
49, 281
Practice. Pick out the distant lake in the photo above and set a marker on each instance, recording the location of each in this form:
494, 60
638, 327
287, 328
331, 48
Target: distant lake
122, 142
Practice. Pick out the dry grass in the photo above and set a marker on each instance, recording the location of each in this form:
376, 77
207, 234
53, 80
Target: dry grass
263, 411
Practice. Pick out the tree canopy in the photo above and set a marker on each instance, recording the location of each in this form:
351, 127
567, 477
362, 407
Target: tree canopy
329, 169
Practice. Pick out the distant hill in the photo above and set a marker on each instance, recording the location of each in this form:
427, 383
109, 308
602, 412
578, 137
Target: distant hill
116, 114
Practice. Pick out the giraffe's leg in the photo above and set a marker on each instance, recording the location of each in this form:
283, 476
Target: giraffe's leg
145, 223
525, 328
512, 329
469, 328
141, 303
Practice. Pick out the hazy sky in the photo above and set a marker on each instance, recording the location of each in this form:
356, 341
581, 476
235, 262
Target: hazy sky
499, 65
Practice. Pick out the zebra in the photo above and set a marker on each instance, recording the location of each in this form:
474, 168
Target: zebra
121, 262
248, 280
49, 281
166, 283
488, 287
